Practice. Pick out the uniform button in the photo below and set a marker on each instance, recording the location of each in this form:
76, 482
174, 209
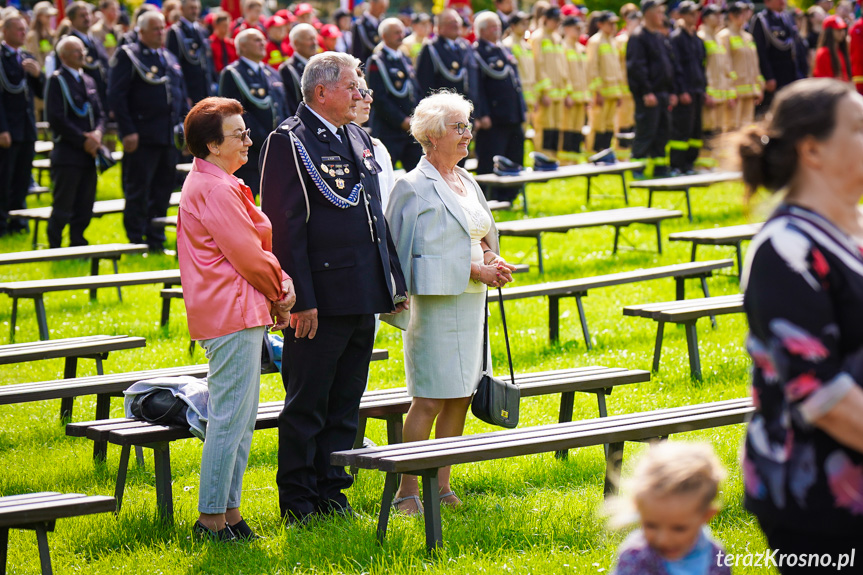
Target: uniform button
375, 218
379, 240
326, 264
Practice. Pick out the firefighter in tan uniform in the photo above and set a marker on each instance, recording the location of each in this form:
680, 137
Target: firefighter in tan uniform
577, 94
550, 87
523, 53
721, 94
748, 81
626, 110
605, 80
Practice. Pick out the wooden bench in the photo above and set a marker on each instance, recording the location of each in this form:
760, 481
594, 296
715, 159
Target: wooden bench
579, 287
682, 184
687, 313
620, 218
39, 512
35, 290
728, 236
100, 208
42, 165
426, 458
589, 171
389, 405
38, 191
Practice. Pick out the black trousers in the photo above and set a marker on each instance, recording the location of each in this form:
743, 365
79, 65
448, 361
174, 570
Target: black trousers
250, 172
499, 140
686, 134
652, 126
403, 149
148, 180
324, 381
787, 541
74, 194
16, 170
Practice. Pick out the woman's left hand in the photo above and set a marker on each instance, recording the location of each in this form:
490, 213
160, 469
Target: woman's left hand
283, 319
504, 269
290, 297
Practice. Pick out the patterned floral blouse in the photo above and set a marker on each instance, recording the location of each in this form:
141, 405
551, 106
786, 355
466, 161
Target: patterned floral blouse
803, 288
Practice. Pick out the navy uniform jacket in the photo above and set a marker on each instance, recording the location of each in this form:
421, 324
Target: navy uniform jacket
291, 72
453, 68
775, 37
146, 93
95, 63
498, 87
341, 263
397, 91
16, 98
260, 92
364, 34
649, 63
69, 121
689, 58
189, 43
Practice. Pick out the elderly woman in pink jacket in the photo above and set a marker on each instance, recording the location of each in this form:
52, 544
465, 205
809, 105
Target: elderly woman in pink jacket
233, 287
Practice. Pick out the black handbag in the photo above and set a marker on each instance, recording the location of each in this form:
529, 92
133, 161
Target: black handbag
496, 400
161, 407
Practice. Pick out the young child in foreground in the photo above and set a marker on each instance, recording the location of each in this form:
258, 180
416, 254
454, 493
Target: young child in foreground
674, 490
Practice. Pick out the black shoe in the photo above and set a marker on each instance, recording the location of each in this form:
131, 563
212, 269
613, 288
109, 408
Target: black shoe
335, 509
203, 532
293, 519
243, 532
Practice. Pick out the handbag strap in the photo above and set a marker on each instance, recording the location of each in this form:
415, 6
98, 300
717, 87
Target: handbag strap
485, 350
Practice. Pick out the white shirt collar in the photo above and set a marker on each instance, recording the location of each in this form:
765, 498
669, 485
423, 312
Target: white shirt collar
391, 52
75, 73
10, 48
186, 22
302, 60
372, 19
330, 126
253, 65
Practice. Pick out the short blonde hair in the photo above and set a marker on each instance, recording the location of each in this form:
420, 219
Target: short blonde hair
432, 114
678, 468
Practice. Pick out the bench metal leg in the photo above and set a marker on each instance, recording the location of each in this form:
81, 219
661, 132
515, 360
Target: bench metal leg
120, 487
116, 271
589, 179
394, 429
692, 345
539, 253
431, 505
616, 238
390, 484
13, 319
41, 317
694, 249
42, 530
166, 311
657, 348
567, 400
164, 495
103, 411
35, 233
4, 548
613, 465
650, 198
99, 369
94, 271
583, 319
688, 205
659, 237
706, 291
139, 456
625, 190
739, 261
600, 400
524, 197
69, 371
358, 442
553, 318
679, 288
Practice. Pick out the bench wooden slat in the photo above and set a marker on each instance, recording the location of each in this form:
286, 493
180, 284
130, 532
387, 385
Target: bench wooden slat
685, 182
564, 223
30, 287
652, 309
529, 176
101, 251
718, 236
48, 510
70, 347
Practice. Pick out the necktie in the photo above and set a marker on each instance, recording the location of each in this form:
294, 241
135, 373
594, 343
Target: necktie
340, 134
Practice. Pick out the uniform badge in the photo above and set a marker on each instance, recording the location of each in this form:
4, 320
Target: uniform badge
195, 45
367, 153
321, 131
192, 52
368, 165
340, 183
500, 63
398, 85
89, 59
340, 172
150, 75
261, 91
325, 169
400, 74
455, 65
347, 170
154, 69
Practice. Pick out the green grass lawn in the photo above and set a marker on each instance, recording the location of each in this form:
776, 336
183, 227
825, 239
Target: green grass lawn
526, 515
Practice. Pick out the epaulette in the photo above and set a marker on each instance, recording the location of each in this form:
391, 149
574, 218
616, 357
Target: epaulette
289, 124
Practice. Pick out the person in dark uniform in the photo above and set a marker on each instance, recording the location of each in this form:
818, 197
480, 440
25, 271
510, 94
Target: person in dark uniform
20, 82
260, 90
504, 9
500, 107
148, 98
447, 61
96, 59
131, 37
77, 122
776, 39
320, 190
690, 83
364, 32
393, 81
304, 40
187, 41
650, 72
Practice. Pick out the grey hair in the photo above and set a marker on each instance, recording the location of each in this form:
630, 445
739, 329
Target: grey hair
240, 39
388, 23
145, 18
483, 19
432, 114
65, 41
326, 69
299, 29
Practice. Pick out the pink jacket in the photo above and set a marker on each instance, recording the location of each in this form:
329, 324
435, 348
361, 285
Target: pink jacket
224, 243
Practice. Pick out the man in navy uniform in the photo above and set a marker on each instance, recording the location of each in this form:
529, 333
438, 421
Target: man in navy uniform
148, 98
304, 40
690, 84
447, 62
320, 191
775, 38
188, 42
96, 58
391, 76
260, 90
21, 81
78, 122
500, 108
364, 32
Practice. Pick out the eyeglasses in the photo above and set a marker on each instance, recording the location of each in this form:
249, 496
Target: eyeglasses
460, 127
241, 136
366, 92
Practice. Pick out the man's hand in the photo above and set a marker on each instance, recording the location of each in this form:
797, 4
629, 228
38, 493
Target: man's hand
290, 294
406, 124
305, 323
545, 100
568, 102
130, 143
770, 86
685, 99
598, 99
650, 100
5, 140
91, 146
485, 123
709, 101
400, 307
32, 67
283, 319
672, 100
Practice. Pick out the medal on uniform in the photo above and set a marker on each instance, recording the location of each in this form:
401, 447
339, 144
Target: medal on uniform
367, 153
368, 165
191, 52
500, 63
261, 92
398, 85
325, 169
150, 75
340, 172
89, 59
400, 74
347, 170
340, 183
455, 65
154, 69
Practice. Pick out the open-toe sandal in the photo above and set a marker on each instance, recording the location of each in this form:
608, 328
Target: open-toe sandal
415, 498
451, 503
